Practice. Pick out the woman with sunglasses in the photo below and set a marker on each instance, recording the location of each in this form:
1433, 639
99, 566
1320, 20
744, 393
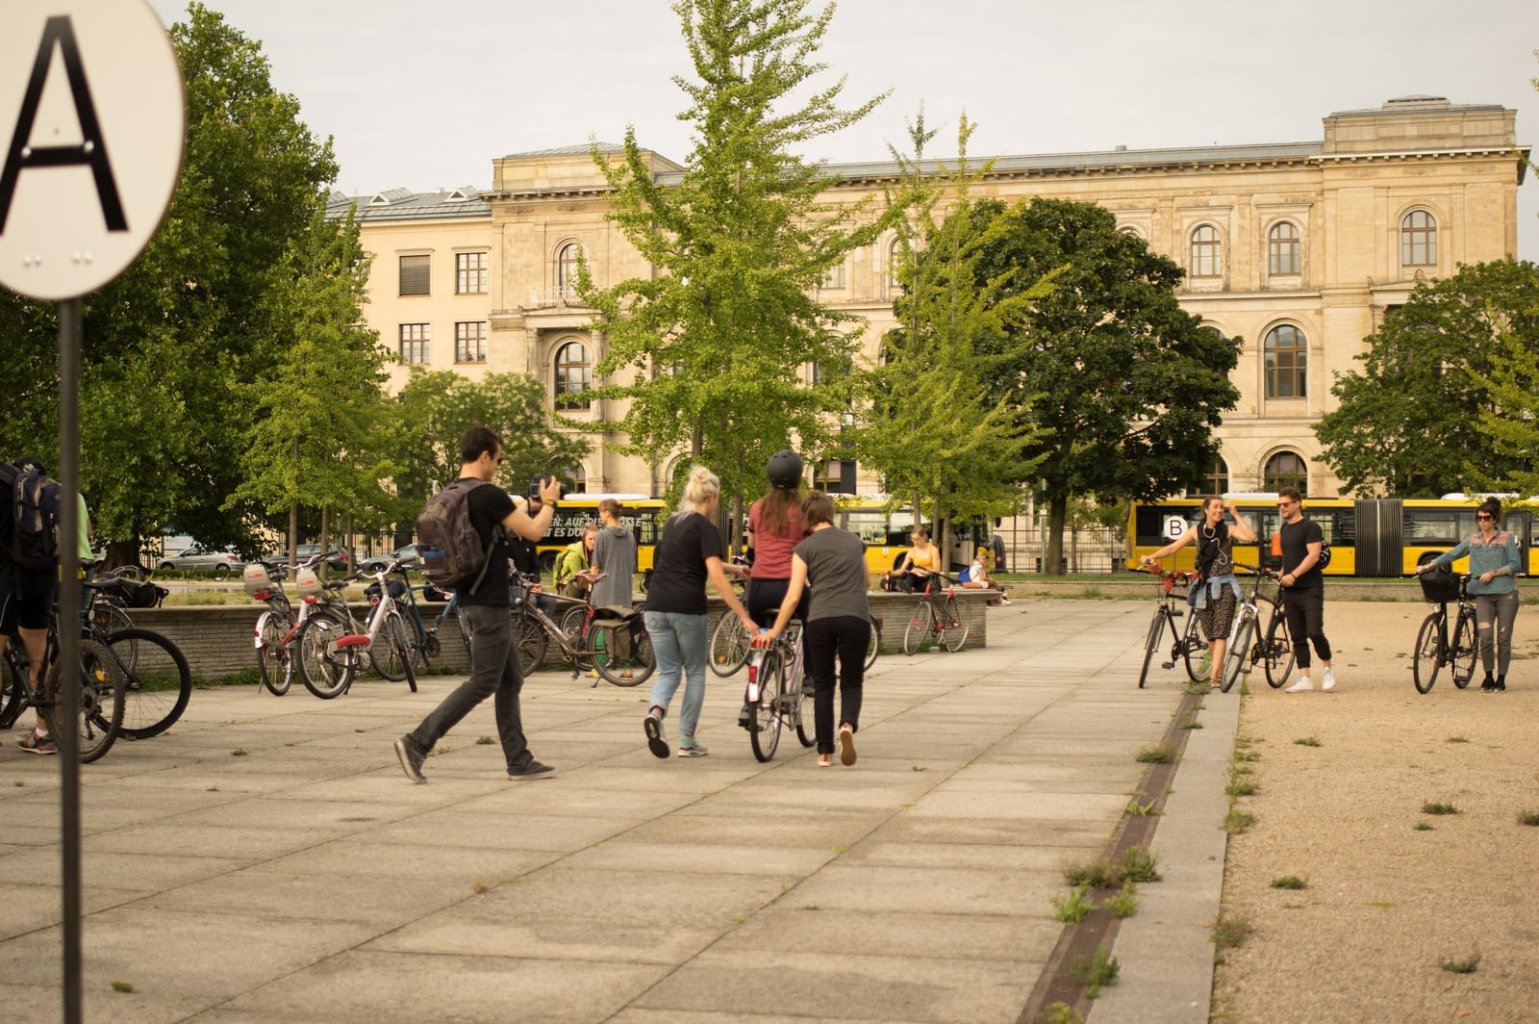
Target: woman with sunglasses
1493, 570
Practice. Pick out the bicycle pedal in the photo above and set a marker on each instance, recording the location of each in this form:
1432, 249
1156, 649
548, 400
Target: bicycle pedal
1167, 665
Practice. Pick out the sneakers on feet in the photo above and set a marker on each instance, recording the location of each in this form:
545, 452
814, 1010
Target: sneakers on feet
1328, 681
1302, 686
846, 746
654, 730
532, 770
691, 747
825, 760
411, 761
32, 743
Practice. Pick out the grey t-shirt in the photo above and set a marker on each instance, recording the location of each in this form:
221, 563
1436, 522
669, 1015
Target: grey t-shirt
614, 551
836, 568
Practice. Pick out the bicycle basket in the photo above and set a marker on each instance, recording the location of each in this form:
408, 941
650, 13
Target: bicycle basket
309, 583
257, 579
1439, 587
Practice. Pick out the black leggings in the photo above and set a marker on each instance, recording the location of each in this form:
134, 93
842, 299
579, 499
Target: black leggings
764, 597
847, 636
1306, 622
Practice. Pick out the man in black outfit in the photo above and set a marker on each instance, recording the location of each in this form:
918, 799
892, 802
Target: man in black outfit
1303, 590
26, 601
494, 667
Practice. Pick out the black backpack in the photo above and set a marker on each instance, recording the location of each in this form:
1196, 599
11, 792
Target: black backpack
34, 500
452, 553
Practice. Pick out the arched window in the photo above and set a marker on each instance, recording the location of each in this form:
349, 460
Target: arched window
1283, 248
1287, 358
576, 479
1207, 252
1418, 239
894, 264
1286, 469
567, 258
1215, 482
574, 375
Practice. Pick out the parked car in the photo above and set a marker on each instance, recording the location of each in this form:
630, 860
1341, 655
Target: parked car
341, 562
220, 562
374, 563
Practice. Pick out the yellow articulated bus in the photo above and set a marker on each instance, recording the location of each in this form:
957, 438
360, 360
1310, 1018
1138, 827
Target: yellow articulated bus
886, 530
1368, 536
644, 516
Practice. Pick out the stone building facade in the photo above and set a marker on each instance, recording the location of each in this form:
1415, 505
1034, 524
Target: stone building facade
1300, 248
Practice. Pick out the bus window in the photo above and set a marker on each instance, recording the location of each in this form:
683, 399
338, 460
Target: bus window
869, 526
1436, 525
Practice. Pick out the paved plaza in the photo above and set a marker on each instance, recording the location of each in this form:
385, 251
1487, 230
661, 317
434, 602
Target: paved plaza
267, 861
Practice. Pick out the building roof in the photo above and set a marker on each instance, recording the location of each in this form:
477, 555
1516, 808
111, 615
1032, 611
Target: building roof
580, 150
404, 204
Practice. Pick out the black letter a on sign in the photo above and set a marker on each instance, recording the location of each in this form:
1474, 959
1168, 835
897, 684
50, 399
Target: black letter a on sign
58, 31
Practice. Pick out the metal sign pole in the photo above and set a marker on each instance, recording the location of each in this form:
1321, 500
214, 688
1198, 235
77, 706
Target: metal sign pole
66, 715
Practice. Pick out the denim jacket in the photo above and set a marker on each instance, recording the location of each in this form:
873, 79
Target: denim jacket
1214, 586
1501, 552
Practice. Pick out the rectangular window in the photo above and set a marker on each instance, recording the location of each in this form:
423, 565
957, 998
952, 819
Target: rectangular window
470, 341
414, 275
414, 342
834, 278
470, 273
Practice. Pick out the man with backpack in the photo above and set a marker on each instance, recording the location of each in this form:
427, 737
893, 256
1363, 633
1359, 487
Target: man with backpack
463, 537
29, 572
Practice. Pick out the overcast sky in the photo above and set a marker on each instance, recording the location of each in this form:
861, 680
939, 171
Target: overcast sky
423, 95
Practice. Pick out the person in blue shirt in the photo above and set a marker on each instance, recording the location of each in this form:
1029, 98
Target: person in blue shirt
1494, 568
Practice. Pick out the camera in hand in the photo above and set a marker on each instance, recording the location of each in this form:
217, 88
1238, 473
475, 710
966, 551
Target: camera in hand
535, 484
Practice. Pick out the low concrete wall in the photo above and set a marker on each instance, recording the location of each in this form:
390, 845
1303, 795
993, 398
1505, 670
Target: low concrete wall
217, 640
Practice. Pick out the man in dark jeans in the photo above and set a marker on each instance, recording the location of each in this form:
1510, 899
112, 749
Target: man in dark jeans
1303, 590
494, 667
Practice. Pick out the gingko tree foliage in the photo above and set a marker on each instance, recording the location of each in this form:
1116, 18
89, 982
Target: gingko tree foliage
712, 354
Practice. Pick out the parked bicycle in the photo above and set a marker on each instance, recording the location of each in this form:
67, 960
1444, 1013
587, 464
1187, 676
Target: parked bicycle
936, 621
1186, 645
332, 640
612, 642
1436, 646
276, 633
1275, 650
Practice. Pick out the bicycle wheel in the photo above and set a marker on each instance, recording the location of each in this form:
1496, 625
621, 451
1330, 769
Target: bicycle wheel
1425, 658
108, 617
919, 634
384, 657
1278, 659
573, 622
1237, 656
874, 645
765, 714
326, 669
98, 713
953, 628
628, 659
13, 693
1462, 657
1151, 643
156, 687
532, 645
274, 660
1195, 650
806, 724
729, 646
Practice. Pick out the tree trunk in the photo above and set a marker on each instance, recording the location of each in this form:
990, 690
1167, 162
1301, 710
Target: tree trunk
1052, 551
122, 552
325, 534
293, 533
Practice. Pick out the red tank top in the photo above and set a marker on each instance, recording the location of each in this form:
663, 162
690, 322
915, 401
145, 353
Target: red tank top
772, 552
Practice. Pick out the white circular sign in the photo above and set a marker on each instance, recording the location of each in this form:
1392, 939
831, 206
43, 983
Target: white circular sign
1175, 526
92, 122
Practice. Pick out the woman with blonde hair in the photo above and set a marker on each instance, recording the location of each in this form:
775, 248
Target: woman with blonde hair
687, 555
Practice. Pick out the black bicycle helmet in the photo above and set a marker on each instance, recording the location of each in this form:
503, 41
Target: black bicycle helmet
784, 470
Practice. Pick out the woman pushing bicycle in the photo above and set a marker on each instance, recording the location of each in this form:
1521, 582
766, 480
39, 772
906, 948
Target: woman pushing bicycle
1217, 587
1494, 567
775, 527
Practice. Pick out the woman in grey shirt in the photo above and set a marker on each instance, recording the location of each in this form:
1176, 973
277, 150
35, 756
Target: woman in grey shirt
833, 562
1494, 567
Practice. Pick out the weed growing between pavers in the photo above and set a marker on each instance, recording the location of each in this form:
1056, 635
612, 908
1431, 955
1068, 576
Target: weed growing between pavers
1465, 966
1307, 741
1159, 754
1125, 903
238, 752
1422, 826
1438, 808
1139, 810
1458, 739
1095, 874
1140, 864
1072, 908
1289, 882
1528, 818
1097, 972
1241, 787
1236, 822
484, 741
123, 986
1231, 931
1062, 1013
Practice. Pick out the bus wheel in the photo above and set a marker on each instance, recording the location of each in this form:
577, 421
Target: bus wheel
646, 580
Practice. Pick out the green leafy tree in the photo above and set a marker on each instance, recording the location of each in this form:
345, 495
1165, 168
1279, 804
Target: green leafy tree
319, 436
939, 435
711, 351
1413, 421
436, 406
1125, 384
168, 343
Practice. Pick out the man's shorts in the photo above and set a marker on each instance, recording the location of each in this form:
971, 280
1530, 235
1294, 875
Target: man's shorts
26, 598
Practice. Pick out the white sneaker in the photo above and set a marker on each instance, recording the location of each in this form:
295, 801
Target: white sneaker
1302, 686
1328, 681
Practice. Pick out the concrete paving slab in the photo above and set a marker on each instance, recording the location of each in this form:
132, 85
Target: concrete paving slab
690, 858
481, 830
457, 867
799, 927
